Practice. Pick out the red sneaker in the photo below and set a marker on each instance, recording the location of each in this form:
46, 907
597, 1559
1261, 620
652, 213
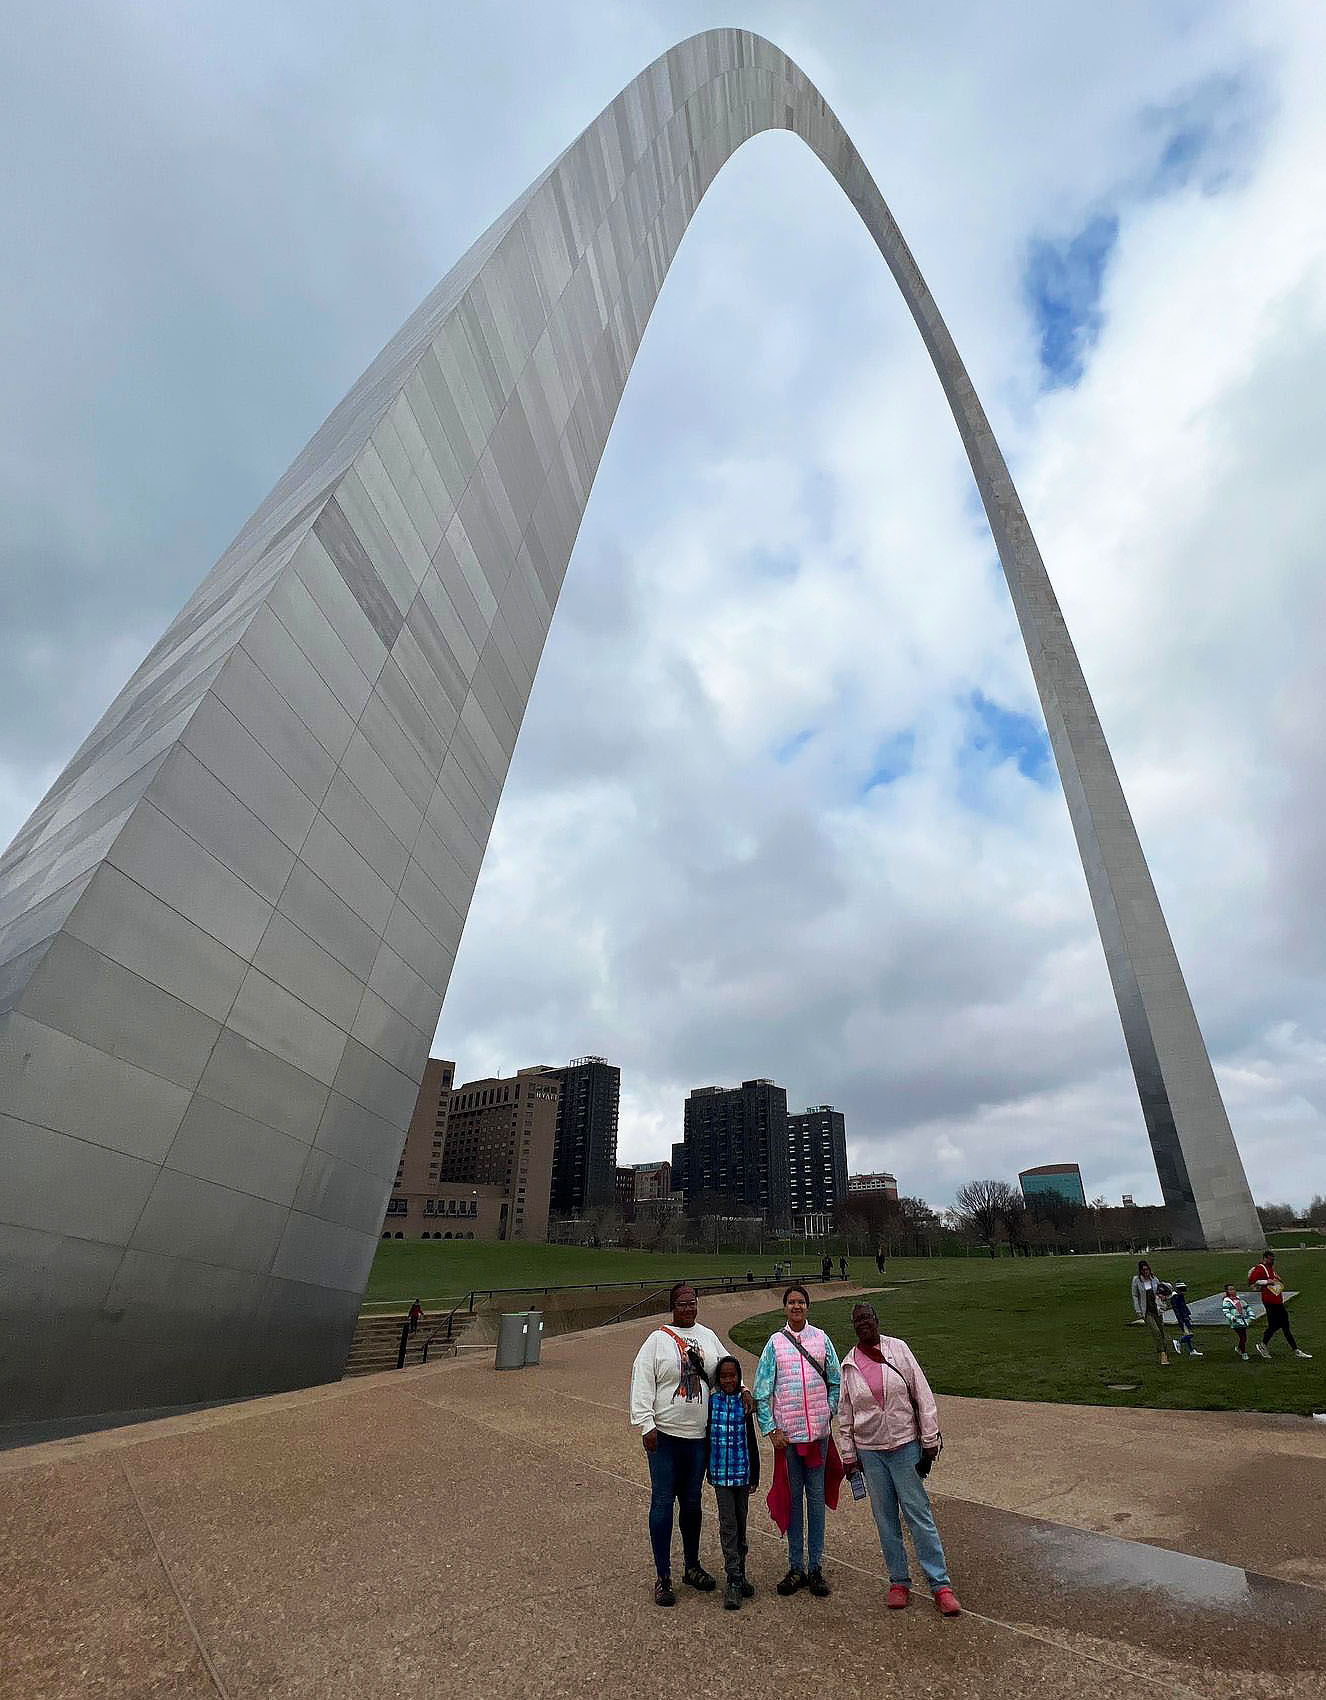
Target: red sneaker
898, 1597
947, 1602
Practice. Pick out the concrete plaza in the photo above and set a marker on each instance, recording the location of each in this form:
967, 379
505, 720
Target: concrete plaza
451, 1531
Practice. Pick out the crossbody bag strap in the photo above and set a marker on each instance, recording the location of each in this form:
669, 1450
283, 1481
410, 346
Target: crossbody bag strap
820, 1369
916, 1408
686, 1351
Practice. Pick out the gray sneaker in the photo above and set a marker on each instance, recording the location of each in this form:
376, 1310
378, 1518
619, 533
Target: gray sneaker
732, 1597
1263, 1351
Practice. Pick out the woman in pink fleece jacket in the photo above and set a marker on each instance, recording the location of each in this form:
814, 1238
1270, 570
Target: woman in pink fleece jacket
890, 1430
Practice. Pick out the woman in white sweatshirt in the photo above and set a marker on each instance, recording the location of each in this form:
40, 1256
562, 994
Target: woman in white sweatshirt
670, 1383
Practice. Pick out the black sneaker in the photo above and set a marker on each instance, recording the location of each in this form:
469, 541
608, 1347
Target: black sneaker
663, 1594
792, 1581
747, 1591
696, 1576
732, 1597
818, 1586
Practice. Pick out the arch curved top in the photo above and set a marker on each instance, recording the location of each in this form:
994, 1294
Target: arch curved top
227, 930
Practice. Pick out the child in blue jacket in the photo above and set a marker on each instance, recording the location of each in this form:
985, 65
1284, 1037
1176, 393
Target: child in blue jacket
1178, 1303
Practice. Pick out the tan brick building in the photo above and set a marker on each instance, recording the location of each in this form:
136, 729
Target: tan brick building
420, 1207
477, 1163
500, 1133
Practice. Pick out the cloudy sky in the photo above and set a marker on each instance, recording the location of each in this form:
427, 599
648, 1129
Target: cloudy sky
782, 804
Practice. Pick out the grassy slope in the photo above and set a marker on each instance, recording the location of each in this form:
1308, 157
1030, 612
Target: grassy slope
448, 1269
1057, 1329
1296, 1236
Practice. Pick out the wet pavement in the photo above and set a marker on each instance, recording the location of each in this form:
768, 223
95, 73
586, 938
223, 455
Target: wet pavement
449, 1530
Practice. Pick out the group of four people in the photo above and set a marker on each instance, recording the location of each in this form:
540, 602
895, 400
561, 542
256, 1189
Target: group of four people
1151, 1296
695, 1418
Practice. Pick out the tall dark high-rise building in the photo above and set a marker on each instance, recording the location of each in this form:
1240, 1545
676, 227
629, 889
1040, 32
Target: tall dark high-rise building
585, 1152
816, 1158
736, 1150
625, 1192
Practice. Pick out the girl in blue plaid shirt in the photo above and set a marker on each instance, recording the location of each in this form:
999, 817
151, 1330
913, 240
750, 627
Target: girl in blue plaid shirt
734, 1469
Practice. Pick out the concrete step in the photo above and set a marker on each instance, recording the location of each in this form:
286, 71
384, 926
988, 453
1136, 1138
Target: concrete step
376, 1343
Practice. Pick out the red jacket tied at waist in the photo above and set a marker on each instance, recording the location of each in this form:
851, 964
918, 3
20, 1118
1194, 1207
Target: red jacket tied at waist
779, 1499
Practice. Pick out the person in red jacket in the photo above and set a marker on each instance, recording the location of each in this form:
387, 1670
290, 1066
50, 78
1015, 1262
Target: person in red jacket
1263, 1278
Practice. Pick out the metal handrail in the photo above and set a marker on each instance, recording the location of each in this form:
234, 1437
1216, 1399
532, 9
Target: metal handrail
448, 1328
649, 1299
715, 1284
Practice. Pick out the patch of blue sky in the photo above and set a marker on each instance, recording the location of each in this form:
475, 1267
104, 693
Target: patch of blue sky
791, 747
1208, 136
893, 761
773, 563
996, 735
1063, 281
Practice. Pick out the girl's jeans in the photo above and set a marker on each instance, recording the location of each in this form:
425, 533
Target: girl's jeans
893, 1484
810, 1482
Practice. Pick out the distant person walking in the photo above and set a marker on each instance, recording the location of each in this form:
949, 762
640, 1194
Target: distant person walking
842, 1268
796, 1394
889, 1422
879, 1260
670, 1385
1262, 1276
415, 1312
826, 1268
1238, 1318
1149, 1296
1178, 1300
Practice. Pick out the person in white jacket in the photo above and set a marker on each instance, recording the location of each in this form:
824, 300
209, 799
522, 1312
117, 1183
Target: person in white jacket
889, 1428
670, 1383
1150, 1296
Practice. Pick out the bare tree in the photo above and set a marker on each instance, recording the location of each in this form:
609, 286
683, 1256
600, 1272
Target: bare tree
984, 1207
918, 1221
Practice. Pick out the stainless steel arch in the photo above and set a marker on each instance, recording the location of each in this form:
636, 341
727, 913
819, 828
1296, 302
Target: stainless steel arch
226, 932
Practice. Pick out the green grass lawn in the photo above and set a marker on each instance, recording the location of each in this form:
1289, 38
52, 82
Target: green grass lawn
1059, 1329
438, 1270
1296, 1236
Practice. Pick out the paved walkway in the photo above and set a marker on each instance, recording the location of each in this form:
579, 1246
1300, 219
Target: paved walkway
448, 1531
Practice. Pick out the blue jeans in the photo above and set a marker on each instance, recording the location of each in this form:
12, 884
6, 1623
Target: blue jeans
892, 1482
801, 1480
676, 1471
